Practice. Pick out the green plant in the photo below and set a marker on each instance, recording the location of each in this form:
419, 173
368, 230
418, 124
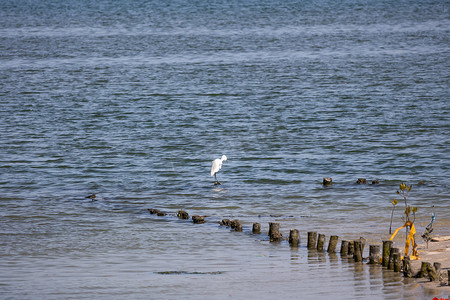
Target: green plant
403, 192
394, 203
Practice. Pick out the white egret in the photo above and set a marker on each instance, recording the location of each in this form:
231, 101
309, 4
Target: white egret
216, 166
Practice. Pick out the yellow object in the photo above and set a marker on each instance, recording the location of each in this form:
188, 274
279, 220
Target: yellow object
409, 240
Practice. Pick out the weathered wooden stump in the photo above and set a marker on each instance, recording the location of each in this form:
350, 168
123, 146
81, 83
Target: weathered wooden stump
256, 228
344, 248
274, 232
386, 251
374, 254
357, 256
407, 272
361, 181
320, 242
312, 238
351, 248
182, 215
363, 244
432, 274
332, 243
423, 270
397, 262
437, 267
225, 222
294, 237
236, 225
198, 219
391, 258
327, 180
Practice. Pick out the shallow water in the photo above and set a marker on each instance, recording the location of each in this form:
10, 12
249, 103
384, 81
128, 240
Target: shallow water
132, 102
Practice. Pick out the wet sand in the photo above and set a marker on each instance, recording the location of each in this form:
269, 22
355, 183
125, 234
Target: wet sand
438, 250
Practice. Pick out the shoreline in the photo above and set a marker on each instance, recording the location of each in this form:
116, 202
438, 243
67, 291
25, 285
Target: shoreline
438, 250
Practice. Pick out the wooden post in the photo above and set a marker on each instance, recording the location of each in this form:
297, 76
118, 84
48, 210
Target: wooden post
432, 274
274, 232
423, 270
391, 258
386, 251
437, 267
397, 262
332, 244
407, 272
256, 228
363, 243
374, 254
357, 256
312, 237
351, 248
344, 248
320, 242
294, 237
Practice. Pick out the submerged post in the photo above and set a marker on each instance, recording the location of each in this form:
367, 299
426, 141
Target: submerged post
351, 248
407, 272
274, 232
437, 267
432, 274
320, 242
423, 270
344, 248
374, 254
357, 256
386, 251
312, 237
397, 262
332, 244
294, 238
256, 228
391, 258
363, 243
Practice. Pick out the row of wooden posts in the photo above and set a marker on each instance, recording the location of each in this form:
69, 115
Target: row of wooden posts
390, 256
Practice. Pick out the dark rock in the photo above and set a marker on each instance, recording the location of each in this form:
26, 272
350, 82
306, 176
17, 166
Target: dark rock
153, 211
327, 180
198, 219
182, 215
361, 181
225, 222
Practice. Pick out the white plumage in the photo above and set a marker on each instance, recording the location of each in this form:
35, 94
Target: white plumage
216, 166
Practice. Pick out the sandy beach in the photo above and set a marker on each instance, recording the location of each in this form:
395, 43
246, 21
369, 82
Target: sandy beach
438, 251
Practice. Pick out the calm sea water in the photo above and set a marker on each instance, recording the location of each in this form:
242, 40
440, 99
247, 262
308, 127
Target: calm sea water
132, 100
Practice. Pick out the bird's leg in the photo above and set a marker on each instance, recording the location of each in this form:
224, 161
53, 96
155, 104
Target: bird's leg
217, 181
